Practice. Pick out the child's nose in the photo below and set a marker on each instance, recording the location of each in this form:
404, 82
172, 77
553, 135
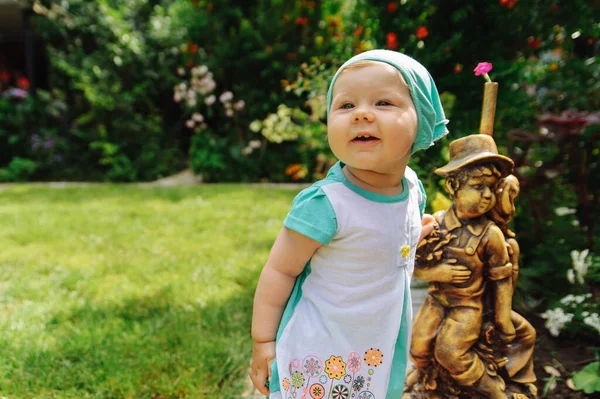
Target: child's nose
363, 114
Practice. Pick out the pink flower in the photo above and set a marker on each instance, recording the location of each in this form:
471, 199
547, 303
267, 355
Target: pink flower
482, 69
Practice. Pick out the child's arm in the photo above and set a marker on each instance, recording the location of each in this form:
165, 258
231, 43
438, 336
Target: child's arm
289, 255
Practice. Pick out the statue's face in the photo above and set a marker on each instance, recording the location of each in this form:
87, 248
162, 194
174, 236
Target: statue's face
476, 197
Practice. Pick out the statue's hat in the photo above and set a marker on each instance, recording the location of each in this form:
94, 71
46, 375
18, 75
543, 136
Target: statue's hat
475, 149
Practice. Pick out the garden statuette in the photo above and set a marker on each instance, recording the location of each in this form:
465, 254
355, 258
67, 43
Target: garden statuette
467, 341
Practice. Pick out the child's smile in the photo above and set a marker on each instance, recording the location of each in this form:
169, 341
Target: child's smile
373, 121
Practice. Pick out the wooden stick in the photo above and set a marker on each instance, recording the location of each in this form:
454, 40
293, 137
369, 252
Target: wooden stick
488, 111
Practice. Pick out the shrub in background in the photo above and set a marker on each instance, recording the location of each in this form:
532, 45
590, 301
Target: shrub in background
112, 65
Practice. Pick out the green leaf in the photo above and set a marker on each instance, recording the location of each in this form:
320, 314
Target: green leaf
588, 378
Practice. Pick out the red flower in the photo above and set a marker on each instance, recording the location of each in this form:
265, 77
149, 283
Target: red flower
422, 32
358, 31
508, 3
392, 7
533, 42
291, 56
4, 76
302, 21
23, 83
209, 7
192, 48
458, 68
392, 40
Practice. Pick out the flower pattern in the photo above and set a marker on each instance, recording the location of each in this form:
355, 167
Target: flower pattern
335, 367
350, 384
312, 366
373, 357
317, 391
405, 251
354, 362
366, 395
297, 379
340, 392
358, 383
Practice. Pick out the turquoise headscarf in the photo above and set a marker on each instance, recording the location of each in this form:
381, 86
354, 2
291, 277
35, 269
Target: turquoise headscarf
430, 114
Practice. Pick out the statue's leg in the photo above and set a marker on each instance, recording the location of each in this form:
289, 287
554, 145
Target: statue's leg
425, 327
453, 346
454, 351
520, 353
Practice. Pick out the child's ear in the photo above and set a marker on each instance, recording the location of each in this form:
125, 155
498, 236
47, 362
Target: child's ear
451, 185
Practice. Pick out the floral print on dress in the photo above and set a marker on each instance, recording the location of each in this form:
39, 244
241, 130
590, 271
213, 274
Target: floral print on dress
335, 367
317, 391
312, 366
335, 378
373, 357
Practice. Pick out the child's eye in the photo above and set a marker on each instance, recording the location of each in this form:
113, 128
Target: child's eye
477, 186
347, 106
382, 102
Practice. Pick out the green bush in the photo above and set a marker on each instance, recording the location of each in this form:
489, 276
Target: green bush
112, 64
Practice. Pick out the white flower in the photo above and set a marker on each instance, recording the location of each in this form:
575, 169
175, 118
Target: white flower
177, 96
190, 123
197, 117
556, 319
226, 97
568, 299
180, 71
562, 211
580, 264
199, 70
210, 100
229, 112
247, 150
238, 106
593, 320
255, 126
571, 276
254, 144
191, 101
182, 86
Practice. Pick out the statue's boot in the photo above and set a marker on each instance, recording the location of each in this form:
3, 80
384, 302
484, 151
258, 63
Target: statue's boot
490, 388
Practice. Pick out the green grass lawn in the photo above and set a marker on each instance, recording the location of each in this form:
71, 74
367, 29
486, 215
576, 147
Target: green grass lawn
122, 291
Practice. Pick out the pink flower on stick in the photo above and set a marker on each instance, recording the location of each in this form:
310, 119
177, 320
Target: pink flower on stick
482, 69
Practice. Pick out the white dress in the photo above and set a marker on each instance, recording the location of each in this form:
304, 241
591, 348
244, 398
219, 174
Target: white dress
345, 332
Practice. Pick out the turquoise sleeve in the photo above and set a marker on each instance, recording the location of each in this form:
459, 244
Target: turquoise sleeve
423, 200
312, 215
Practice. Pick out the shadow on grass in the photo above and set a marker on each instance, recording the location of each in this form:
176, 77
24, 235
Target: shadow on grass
144, 347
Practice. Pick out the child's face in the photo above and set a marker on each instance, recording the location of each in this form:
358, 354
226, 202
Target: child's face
372, 122
476, 197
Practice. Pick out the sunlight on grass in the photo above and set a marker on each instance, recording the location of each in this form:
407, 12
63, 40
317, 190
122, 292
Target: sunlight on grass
128, 292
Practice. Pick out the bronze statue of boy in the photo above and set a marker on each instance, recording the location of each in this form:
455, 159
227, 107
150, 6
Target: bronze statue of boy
464, 332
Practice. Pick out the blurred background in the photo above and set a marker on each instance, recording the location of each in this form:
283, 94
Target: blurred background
121, 91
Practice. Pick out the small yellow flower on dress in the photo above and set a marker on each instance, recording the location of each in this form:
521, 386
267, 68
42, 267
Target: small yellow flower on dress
405, 251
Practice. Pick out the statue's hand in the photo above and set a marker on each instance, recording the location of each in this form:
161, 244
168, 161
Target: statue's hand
451, 273
507, 334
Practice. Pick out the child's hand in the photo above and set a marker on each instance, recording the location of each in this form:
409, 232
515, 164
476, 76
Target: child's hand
428, 223
263, 355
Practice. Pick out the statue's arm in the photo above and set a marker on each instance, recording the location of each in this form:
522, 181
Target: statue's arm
444, 272
500, 271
